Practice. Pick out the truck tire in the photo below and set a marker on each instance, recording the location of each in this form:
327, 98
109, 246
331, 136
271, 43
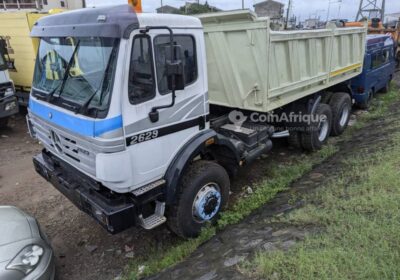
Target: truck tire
3, 123
203, 193
366, 104
318, 131
341, 110
294, 139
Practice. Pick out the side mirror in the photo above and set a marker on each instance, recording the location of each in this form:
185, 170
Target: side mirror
175, 77
174, 69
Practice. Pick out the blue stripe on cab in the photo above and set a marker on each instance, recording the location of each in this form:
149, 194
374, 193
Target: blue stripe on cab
75, 123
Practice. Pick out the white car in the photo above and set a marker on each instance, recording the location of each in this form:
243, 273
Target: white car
25, 252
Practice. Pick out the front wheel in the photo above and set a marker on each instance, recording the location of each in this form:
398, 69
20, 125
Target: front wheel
386, 89
204, 192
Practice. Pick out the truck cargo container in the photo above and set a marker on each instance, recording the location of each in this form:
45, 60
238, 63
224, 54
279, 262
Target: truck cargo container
145, 118
375, 27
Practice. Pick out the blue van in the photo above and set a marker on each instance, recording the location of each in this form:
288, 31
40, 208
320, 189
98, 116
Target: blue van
379, 68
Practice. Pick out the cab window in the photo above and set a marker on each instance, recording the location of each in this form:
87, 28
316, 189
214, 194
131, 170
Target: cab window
188, 57
141, 86
377, 59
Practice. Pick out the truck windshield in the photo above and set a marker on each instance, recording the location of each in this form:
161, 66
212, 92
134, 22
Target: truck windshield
76, 73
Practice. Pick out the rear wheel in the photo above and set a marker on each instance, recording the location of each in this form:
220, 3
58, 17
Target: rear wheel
367, 103
204, 192
318, 130
341, 109
294, 139
3, 122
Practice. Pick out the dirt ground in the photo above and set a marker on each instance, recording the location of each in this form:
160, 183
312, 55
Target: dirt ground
83, 249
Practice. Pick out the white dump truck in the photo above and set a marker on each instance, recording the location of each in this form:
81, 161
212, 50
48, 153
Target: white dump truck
8, 100
145, 118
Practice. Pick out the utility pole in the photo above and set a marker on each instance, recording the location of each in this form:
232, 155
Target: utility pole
242, 4
330, 2
371, 9
288, 14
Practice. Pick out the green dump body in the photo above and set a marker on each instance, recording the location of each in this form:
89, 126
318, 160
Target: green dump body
253, 68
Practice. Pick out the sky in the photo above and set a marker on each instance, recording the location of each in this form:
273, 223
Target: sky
301, 8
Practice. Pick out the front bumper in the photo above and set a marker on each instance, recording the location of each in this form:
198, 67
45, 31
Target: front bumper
8, 107
114, 212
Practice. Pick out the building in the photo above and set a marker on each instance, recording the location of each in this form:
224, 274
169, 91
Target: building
44, 5
270, 8
313, 23
166, 9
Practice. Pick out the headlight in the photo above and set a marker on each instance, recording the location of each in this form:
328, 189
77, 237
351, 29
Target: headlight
27, 259
9, 92
11, 106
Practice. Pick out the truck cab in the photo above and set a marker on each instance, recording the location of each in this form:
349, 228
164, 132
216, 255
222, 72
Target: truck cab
8, 101
378, 71
103, 106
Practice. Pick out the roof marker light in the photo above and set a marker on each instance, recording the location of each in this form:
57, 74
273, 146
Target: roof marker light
101, 18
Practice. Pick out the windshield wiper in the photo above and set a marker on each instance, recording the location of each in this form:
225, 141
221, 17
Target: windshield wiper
67, 69
51, 94
83, 109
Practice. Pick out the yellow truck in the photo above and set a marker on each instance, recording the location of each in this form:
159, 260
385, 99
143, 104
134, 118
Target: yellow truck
21, 49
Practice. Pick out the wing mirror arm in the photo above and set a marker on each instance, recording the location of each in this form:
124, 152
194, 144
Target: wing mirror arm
174, 70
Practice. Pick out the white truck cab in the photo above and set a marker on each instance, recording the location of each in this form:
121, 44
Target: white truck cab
8, 103
120, 102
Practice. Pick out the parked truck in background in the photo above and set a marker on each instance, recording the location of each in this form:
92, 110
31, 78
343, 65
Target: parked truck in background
21, 49
378, 72
145, 118
8, 100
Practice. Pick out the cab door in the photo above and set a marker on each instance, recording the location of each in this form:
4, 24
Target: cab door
153, 145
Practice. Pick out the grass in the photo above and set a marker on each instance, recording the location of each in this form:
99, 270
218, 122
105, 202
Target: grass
358, 214
361, 222
279, 179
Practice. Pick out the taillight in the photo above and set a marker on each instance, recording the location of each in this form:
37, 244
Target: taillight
360, 90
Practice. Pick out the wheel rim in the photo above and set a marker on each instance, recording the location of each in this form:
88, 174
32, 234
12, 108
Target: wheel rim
344, 116
207, 203
323, 128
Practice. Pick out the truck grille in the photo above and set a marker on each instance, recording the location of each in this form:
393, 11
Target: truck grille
3, 88
75, 150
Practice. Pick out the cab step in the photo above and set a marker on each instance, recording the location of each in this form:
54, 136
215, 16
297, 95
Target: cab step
156, 219
148, 187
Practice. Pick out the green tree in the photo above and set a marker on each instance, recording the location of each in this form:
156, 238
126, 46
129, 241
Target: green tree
192, 9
